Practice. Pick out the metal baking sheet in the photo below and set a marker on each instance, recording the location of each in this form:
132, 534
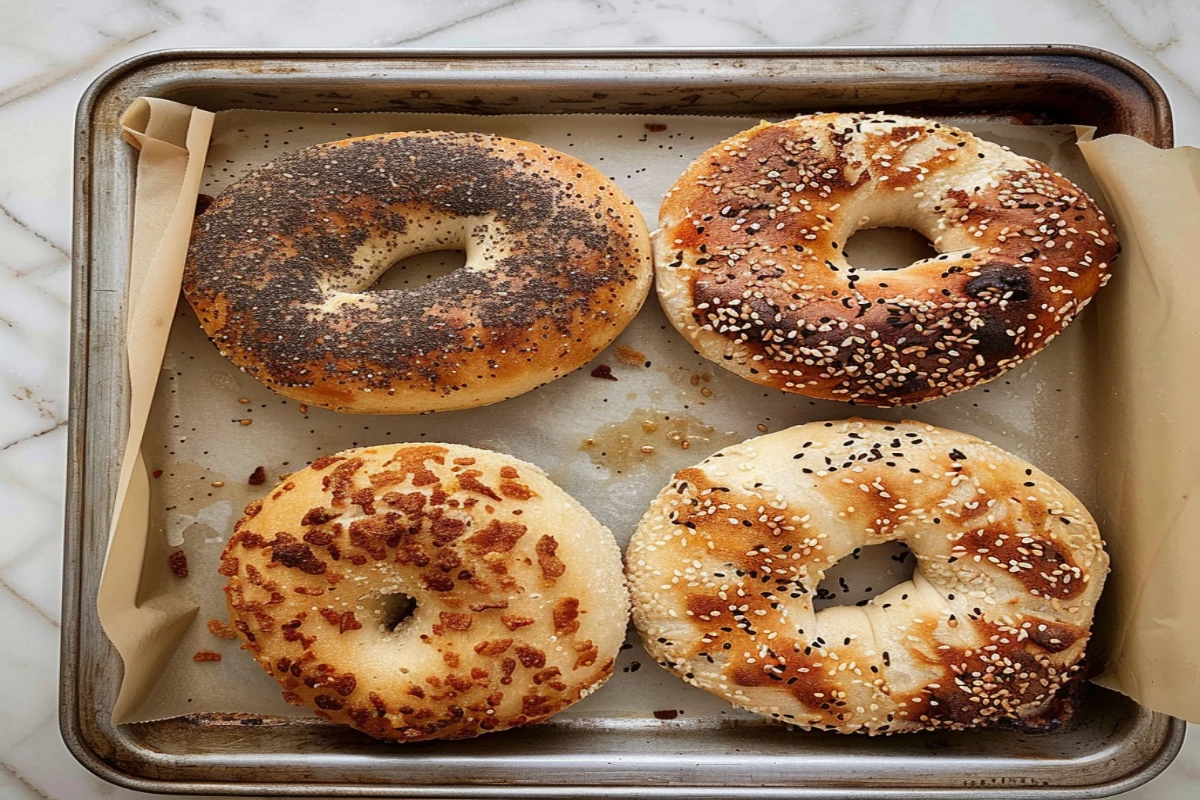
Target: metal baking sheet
1110, 746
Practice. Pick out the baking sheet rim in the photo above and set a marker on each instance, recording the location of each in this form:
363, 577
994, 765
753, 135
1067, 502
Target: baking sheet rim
70, 721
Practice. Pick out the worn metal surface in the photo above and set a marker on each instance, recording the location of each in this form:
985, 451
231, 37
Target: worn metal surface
1110, 746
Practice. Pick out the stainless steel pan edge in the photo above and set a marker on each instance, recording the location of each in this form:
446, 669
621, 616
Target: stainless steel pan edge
96, 334
1101, 72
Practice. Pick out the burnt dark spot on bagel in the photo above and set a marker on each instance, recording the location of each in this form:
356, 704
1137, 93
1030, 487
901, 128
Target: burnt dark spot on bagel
437, 583
290, 552
1053, 637
1040, 565
530, 656
993, 337
319, 516
327, 702
999, 688
1000, 281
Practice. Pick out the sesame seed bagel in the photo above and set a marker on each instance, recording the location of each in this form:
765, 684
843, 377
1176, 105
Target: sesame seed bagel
520, 605
281, 269
1009, 566
751, 268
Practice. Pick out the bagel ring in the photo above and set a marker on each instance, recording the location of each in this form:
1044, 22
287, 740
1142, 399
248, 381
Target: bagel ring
282, 263
751, 267
520, 605
724, 566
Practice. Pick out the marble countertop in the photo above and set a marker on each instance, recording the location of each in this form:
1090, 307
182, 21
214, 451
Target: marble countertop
49, 53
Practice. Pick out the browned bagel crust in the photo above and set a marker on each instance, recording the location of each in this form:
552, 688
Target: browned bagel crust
750, 265
280, 264
520, 602
994, 624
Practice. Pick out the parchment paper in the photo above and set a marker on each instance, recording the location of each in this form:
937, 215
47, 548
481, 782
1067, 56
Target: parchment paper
172, 139
1078, 411
1149, 461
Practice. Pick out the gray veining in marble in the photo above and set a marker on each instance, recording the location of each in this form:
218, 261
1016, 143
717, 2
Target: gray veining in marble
49, 52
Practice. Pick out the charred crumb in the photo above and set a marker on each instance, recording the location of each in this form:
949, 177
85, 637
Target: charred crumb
603, 372
178, 563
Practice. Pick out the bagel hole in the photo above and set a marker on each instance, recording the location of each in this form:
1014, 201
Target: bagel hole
396, 609
865, 573
420, 269
887, 248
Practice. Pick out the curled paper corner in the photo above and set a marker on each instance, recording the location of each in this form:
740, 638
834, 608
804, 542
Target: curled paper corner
142, 127
161, 626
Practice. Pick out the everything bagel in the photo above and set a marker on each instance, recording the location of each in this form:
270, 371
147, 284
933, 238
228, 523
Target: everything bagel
281, 267
751, 268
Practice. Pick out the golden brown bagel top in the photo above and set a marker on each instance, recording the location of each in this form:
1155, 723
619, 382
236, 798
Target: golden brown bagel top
751, 268
558, 261
725, 565
520, 607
